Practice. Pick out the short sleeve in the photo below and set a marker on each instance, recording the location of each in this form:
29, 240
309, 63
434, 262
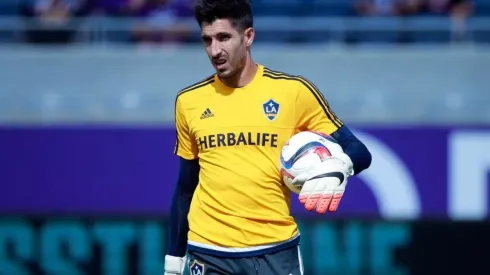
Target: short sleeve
314, 113
185, 145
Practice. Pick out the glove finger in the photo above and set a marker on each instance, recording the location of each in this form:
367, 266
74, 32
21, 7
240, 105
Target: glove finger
335, 201
312, 201
323, 203
316, 189
303, 198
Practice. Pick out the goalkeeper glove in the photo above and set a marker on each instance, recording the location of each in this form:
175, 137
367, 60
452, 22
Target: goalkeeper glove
323, 186
174, 265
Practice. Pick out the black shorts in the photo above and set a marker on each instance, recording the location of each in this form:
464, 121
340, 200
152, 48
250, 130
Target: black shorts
285, 262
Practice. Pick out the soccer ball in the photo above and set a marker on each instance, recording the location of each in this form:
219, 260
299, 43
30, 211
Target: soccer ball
302, 152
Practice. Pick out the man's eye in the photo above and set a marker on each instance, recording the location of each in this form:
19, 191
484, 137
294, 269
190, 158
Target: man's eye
224, 37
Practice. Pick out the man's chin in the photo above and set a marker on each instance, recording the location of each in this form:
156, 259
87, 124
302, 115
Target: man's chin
223, 74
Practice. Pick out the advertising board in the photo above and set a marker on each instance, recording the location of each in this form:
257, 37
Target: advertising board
416, 173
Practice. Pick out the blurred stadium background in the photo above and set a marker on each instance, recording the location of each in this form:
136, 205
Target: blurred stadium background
87, 89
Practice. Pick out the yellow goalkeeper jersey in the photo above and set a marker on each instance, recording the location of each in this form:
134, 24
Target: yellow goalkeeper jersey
240, 206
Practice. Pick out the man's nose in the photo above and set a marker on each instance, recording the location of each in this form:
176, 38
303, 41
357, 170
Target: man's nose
215, 49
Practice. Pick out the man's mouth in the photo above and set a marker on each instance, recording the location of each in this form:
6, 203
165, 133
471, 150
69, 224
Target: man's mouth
219, 63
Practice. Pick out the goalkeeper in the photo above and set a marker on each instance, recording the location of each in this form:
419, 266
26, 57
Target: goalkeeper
230, 211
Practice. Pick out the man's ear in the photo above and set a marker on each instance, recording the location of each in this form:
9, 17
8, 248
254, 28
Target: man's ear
249, 36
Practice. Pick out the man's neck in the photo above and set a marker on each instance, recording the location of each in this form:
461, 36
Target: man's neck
244, 76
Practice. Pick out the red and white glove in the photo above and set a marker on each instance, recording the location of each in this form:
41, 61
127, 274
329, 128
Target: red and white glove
324, 185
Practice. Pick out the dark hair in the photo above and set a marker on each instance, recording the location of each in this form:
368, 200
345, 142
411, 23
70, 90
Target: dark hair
239, 12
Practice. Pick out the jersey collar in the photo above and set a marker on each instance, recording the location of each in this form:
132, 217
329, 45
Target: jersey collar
257, 78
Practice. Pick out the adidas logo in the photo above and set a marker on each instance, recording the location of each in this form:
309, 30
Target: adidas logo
207, 114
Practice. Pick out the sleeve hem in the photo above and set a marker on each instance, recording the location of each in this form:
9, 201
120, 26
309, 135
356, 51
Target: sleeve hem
186, 156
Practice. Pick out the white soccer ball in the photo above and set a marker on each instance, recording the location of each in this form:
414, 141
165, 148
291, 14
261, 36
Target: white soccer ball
302, 152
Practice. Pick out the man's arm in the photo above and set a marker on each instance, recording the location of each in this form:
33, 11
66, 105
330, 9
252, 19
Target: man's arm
186, 149
181, 201
322, 187
356, 150
316, 115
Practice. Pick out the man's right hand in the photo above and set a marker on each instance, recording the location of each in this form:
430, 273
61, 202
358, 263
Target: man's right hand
174, 265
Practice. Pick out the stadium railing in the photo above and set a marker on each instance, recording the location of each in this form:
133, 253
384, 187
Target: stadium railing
288, 29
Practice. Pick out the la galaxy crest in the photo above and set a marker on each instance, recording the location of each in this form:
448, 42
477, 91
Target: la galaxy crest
196, 268
271, 109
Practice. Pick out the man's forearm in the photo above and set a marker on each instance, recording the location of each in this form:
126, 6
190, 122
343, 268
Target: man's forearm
359, 154
179, 225
181, 201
